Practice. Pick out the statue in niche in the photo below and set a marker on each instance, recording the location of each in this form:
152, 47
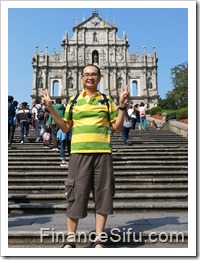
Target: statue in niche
112, 57
149, 73
119, 82
70, 82
120, 56
94, 37
149, 83
95, 58
40, 82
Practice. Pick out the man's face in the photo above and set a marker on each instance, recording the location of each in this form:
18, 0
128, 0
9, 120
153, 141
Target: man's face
90, 77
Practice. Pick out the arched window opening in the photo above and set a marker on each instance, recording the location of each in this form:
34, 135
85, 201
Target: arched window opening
55, 88
134, 89
95, 57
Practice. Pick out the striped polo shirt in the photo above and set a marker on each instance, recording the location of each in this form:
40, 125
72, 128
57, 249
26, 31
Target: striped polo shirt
91, 130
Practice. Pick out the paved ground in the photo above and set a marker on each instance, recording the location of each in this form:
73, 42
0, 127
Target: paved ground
145, 229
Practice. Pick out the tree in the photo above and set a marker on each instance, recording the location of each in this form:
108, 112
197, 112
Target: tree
179, 76
178, 97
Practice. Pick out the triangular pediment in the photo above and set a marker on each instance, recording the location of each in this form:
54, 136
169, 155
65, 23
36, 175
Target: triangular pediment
94, 22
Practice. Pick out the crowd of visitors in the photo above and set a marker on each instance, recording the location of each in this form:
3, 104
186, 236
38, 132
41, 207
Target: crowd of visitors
38, 118
134, 115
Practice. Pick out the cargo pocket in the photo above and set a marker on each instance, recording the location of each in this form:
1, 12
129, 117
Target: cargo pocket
69, 190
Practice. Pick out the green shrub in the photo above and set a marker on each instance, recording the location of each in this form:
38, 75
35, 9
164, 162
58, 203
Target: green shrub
154, 110
169, 112
182, 114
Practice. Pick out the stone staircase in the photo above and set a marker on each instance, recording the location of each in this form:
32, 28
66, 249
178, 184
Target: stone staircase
151, 174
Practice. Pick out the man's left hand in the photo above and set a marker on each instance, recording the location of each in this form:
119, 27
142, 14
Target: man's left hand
124, 96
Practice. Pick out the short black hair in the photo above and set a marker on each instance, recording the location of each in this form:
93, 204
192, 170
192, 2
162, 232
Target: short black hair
88, 65
24, 104
15, 103
10, 98
58, 101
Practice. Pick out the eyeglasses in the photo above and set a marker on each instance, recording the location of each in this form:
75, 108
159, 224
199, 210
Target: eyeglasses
93, 75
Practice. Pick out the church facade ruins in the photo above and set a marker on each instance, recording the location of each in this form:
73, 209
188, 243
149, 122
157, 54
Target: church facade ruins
95, 41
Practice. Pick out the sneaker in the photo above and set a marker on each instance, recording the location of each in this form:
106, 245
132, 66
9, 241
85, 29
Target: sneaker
55, 149
9, 144
37, 140
21, 142
65, 164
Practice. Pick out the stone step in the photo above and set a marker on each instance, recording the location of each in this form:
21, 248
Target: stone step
57, 181
120, 197
27, 239
138, 157
124, 167
36, 147
25, 229
46, 189
150, 174
134, 154
132, 133
130, 206
118, 144
42, 162
39, 148
146, 173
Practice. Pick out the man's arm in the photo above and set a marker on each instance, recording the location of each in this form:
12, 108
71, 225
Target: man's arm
118, 124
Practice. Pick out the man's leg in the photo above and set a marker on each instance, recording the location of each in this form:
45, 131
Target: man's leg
100, 225
71, 230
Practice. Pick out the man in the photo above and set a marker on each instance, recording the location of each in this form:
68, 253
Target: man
11, 123
38, 123
23, 117
90, 164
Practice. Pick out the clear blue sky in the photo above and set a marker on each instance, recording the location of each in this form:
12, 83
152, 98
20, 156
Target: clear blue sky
164, 28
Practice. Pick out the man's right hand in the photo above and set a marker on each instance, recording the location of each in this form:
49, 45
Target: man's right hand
46, 100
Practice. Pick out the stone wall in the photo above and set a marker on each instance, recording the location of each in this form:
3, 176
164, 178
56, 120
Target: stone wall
172, 125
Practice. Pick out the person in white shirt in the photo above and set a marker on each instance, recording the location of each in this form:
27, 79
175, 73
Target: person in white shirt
126, 129
143, 122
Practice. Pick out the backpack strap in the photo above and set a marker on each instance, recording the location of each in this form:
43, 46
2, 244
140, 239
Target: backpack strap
74, 101
73, 104
105, 100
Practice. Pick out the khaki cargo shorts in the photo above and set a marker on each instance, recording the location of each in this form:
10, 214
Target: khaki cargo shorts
86, 173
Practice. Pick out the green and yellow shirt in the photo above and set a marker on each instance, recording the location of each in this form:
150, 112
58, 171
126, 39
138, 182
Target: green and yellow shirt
91, 129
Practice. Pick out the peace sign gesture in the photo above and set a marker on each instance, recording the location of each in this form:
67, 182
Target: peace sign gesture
46, 99
123, 96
